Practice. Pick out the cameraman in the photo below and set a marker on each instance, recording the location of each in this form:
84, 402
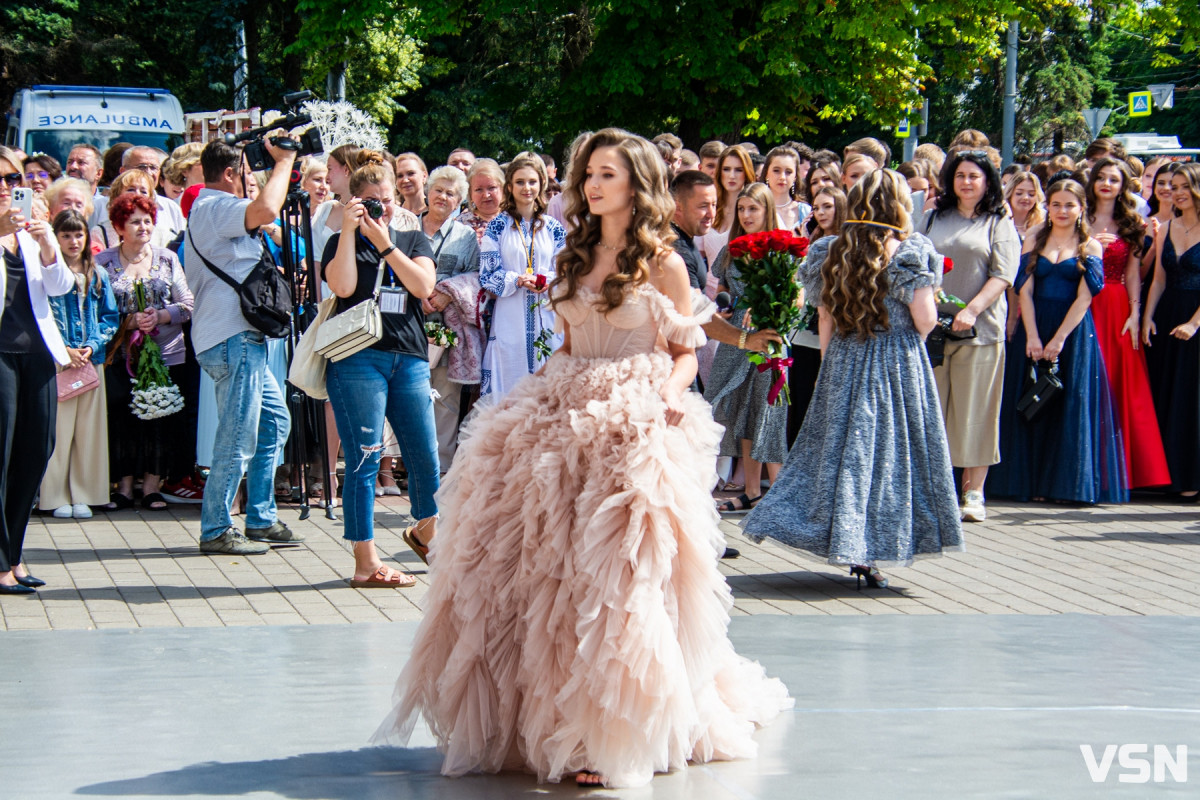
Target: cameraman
252, 417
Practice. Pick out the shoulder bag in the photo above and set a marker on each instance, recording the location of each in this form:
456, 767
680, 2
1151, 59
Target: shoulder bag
74, 381
355, 329
265, 297
307, 370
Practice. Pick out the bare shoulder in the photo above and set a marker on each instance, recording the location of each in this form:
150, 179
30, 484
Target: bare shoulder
668, 269
1093, 248
669, 275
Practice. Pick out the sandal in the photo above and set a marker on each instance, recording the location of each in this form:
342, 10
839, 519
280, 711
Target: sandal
385, 578
153, 502
118, 502
733, 487
410, 539
744, 503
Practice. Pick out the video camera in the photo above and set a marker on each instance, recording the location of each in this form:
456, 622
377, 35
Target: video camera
256, 151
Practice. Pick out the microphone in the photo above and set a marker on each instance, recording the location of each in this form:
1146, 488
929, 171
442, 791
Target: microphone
724, 301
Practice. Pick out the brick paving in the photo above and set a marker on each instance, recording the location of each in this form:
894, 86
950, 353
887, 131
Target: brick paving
142, 569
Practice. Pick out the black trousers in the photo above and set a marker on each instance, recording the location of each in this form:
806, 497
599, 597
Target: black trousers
802, 382
28, 411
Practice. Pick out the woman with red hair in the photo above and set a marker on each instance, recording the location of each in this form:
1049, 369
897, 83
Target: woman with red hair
137, 446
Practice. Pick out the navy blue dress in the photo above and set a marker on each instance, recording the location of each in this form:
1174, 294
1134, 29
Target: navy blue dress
1174, 367
1073, 450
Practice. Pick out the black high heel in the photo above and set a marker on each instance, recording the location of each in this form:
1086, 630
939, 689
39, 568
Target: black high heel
874, 577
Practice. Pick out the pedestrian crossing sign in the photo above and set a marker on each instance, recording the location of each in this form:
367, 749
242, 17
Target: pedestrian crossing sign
904, 129
1139, 104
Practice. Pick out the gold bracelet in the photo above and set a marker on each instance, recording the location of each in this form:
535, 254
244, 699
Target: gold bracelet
742, 341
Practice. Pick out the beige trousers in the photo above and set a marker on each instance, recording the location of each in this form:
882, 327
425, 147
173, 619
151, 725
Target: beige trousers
970, 383
445, 414
78, 469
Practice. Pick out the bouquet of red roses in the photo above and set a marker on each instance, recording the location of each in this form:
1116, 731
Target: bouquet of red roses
767, 262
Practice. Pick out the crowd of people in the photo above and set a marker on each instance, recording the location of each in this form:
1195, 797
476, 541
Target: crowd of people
1082, 270
562, 371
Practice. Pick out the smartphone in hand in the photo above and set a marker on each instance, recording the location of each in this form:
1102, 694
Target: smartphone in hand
22, 202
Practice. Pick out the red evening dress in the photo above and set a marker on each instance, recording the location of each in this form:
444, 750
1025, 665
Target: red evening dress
1145, 462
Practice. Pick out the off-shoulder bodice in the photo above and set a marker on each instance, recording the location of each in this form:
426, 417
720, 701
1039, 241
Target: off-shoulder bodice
642, 324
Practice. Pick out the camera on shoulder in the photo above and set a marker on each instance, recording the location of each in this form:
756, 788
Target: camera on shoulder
256, 153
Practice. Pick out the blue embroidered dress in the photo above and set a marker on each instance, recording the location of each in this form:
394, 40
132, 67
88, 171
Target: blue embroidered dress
508, 249
1072, 451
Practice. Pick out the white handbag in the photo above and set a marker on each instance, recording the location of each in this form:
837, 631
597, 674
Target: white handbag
355, 329
307, 372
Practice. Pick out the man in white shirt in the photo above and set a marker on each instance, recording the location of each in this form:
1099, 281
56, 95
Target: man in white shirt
85, 162
252, 415
149, 160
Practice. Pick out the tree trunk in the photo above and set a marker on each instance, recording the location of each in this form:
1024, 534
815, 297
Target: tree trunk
250, 18
293, 63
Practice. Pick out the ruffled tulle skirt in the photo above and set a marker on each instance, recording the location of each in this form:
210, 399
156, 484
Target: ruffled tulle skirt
576, 617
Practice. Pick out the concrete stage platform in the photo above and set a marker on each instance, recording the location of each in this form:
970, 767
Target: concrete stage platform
891, 707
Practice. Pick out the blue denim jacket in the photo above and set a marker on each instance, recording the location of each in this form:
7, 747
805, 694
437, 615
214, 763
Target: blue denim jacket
97, 324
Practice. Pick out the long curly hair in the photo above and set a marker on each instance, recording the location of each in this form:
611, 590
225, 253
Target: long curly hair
1083, 231
648, 236
854, 275
508, 205
1130, 225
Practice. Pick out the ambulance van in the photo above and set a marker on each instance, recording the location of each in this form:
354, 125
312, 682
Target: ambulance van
52, 119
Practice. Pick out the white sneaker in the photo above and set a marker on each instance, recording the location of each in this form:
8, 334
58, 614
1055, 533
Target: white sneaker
63, 512
81, 511
972, 507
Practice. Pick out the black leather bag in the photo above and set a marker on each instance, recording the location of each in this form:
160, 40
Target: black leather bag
265, 296
935, 342
1044, 386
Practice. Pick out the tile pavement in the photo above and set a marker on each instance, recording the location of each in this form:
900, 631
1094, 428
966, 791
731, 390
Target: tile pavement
143, 569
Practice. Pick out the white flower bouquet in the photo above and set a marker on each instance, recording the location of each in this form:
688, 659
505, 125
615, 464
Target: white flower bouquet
440, 338
154, 394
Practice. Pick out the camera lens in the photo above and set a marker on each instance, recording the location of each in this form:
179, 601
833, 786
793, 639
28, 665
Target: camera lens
374, 208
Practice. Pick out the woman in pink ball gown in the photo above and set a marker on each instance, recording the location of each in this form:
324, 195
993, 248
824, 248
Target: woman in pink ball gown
576, 620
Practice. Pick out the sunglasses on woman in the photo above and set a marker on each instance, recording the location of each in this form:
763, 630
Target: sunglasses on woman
13, 179
40, 175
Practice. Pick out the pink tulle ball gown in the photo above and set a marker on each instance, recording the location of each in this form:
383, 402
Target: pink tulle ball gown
576, 618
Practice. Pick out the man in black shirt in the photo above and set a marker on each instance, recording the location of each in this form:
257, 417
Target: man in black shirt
695, 209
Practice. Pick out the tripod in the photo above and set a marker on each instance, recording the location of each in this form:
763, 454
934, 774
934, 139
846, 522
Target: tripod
307, 414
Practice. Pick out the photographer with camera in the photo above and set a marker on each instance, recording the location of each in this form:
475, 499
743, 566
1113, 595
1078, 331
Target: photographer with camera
390, 378
252, 417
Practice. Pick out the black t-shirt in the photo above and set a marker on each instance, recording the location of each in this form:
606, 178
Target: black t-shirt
686, 247
402, 333
18, 327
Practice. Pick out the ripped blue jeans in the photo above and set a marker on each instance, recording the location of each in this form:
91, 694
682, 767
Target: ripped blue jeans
364, 389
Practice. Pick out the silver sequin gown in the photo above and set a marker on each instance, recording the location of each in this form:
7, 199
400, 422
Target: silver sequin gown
869, 480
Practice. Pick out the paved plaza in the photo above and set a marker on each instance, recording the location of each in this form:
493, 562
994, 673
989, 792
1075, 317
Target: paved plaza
142, 569
980, 675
